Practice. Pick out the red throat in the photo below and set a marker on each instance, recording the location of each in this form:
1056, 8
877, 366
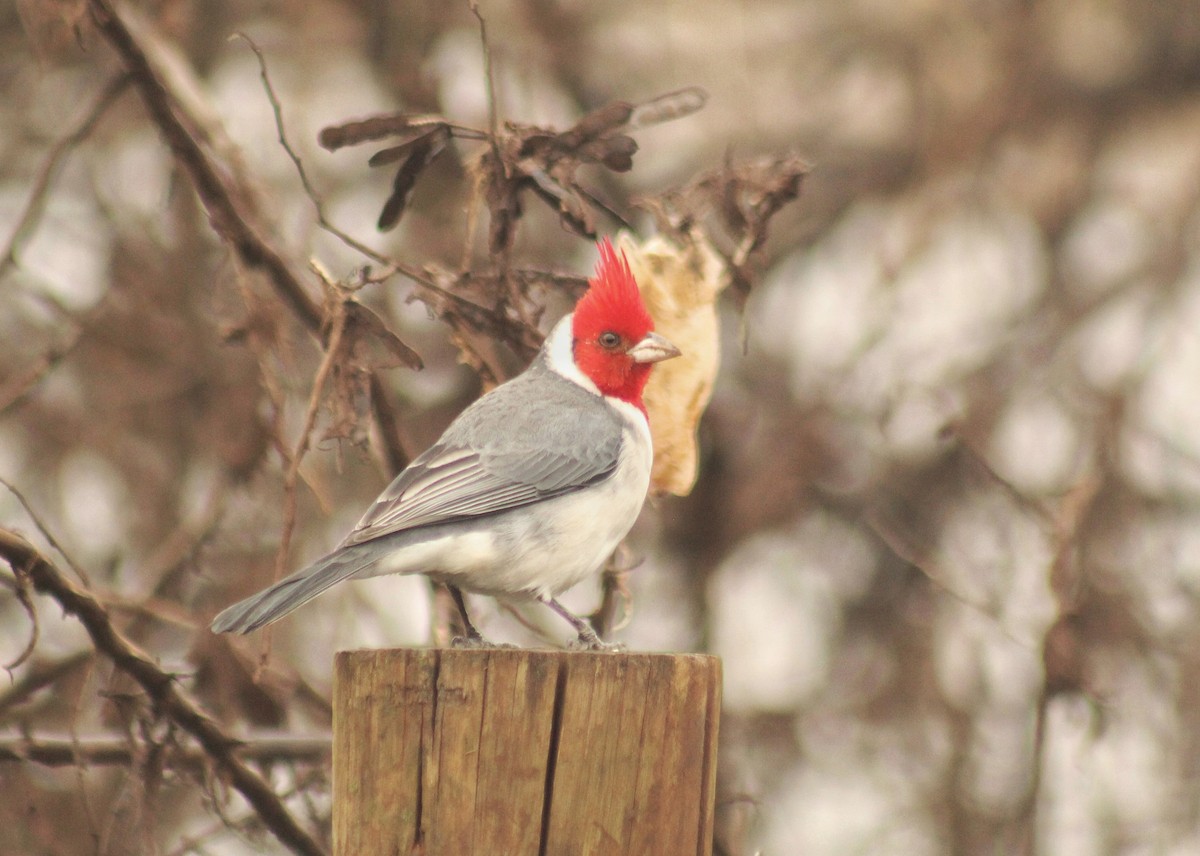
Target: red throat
612, 305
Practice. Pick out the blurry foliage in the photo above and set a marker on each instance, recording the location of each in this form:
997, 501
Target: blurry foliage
945, 528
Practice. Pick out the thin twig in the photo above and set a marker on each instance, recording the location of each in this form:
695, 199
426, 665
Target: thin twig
395, 456
35, 629
50, 168
239, 826
18, 388
113, 750
309, 190
291, 475
908, 552
489, 74
44, 531
39, 676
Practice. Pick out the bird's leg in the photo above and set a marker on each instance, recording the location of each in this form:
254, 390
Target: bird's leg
588, 640
473, 639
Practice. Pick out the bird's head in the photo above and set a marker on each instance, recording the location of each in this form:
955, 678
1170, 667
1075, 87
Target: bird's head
615, 345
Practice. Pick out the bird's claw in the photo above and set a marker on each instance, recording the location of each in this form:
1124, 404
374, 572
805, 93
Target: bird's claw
476, 642
595, 643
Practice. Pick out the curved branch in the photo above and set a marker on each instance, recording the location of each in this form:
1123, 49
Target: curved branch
166, 695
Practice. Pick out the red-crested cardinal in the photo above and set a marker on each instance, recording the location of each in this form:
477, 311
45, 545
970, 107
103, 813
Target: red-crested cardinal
530, 489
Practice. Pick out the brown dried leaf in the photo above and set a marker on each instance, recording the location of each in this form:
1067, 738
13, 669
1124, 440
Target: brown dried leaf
372, 128
424, 151
614, 152
502, 229
349, 398
744, 197
766, 186
363, 322
501, 194
364, 345
680, 282
536, 143
573, 214
595, 124
479, 331
666, 108
404, 144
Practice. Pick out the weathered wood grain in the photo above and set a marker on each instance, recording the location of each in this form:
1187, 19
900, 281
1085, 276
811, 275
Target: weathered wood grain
513, 752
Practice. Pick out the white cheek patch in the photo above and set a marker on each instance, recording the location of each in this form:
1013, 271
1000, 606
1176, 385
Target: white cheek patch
561, 356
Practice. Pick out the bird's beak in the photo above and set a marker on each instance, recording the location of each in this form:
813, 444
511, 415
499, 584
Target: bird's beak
653, 349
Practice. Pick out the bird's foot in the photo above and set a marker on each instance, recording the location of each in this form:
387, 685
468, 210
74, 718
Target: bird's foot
476, 641
592, 642
588, 640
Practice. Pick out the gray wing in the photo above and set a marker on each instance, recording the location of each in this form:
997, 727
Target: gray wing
536, 437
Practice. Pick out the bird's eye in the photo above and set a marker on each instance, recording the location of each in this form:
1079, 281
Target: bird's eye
609, 340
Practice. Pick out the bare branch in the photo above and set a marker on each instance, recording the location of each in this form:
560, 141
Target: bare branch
226, 210
112, 750
291, 475
309, 190
45, 532
22, 592
164, 692
29, 216
493, 121
18, 387
226, 213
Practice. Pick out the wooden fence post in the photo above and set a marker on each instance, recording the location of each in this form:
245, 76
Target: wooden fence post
505, 752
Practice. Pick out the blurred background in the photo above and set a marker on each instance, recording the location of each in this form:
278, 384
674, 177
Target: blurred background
946, 533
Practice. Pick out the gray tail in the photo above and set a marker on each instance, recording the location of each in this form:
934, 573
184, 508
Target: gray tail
291, 592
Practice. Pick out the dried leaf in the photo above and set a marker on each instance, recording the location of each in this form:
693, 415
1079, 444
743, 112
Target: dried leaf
666, 108
536, 143
363, 344
501, 194
364, 322
595, 124
372, 128
783, 184
502, 229
680, 282
424, 151
573, 213
349, 397
614, 152
745, 197
481, 331
404, 144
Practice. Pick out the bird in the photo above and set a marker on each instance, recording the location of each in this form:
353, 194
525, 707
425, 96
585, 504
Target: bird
529, 490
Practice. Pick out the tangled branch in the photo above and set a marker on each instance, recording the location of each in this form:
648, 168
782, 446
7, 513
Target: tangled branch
228, 204
165, 694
